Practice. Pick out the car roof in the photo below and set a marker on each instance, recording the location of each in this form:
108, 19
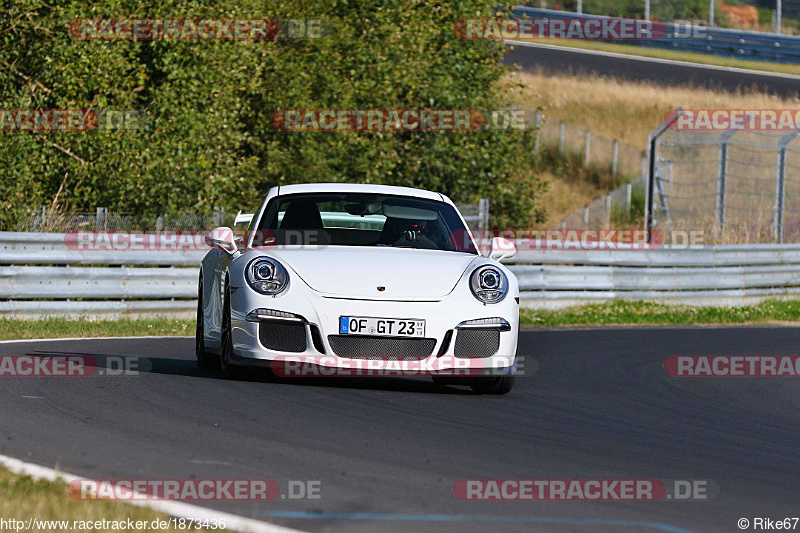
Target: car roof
356, 188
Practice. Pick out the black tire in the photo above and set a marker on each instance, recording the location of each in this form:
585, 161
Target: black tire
225, 360
496, 385
205, 360
450, 380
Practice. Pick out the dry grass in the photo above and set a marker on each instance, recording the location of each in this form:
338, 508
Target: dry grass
562, 199
22, 498
627, 111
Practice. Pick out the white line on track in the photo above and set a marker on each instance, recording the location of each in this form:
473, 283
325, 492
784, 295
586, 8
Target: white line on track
172, 508
100, 338
655, 60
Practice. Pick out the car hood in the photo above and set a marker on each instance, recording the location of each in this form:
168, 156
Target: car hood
357, 272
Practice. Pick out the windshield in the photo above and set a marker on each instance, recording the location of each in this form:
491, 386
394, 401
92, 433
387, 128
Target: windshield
359, 219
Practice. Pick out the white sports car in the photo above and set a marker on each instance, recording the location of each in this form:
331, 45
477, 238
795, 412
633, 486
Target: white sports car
342, 273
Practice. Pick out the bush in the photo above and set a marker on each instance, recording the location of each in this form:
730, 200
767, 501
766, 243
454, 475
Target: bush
210, 142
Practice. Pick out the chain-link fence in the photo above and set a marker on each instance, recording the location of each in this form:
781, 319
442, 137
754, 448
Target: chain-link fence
761, 15
624, 205
621, 208
619, 159
41, 220
476, 216
733, 186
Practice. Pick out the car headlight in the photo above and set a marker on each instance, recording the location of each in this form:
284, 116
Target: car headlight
266, 276
488, 284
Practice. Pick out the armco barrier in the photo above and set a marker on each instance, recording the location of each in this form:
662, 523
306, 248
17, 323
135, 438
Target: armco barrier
719, 275
40, 275
50, 278
753, 45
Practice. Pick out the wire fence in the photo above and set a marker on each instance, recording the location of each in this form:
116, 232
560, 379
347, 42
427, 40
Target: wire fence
621, 208
694, 12
40, 220
619, 159
734, 186
624, 205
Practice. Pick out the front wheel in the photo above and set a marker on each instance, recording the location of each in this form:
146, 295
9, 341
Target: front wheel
231, 370
496, 385
205, 360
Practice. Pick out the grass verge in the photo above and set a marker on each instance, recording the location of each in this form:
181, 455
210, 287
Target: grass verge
646, 313
614, 313
52, 328
23, 498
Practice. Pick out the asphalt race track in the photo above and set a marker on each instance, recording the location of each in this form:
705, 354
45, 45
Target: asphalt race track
387, 452
556, 59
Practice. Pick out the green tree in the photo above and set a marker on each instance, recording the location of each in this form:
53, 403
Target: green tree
209, 141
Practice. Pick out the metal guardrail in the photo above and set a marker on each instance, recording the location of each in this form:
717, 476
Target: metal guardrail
703, 275
31, 248
30, 282
757, 46
78, 286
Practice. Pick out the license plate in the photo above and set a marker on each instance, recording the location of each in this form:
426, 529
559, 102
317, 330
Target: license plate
383, 327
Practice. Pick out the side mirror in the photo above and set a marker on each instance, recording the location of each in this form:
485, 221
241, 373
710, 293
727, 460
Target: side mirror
501, 248
242, 218
222, 238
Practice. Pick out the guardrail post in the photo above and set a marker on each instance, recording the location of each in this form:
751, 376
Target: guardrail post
644, 165
652, 143
586, 148
722, 171
586, 216
538, 131
614, 158
711, 14
561, 127
628, 195
608, 210
722, 180
100, 218
483, 213
780, 185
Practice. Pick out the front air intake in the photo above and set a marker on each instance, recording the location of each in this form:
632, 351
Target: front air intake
369, 347
282, 336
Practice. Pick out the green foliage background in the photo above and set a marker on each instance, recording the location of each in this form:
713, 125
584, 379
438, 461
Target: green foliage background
210, 142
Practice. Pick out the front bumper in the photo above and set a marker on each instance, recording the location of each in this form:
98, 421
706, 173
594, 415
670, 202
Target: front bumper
310, 329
